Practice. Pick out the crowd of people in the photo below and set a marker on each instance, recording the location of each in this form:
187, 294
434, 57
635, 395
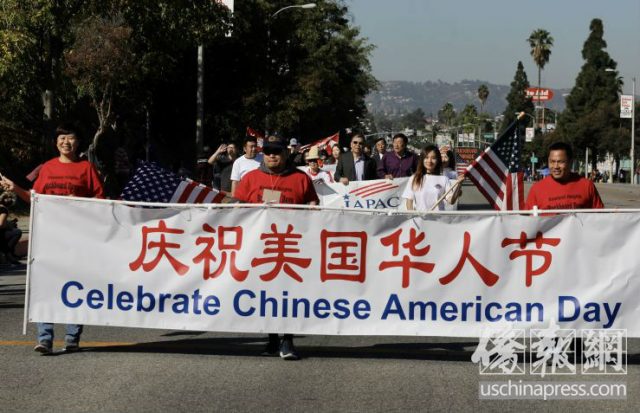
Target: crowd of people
282, 174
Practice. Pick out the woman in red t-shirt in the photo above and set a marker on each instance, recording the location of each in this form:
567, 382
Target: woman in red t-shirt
68, 175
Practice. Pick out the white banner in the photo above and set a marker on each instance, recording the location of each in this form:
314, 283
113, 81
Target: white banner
626, 106
377, 194
265, 269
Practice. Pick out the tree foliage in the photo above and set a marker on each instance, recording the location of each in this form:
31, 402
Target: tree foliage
483, 95
517, 100
541, 43
591, 118
133, 62
447, 114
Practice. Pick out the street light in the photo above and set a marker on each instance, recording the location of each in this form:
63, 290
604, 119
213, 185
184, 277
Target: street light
633, 126
271, 17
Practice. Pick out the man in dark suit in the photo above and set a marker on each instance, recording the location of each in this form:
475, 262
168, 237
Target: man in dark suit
355, 165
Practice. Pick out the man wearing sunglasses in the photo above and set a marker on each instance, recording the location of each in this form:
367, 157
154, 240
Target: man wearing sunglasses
278, 181
355, 165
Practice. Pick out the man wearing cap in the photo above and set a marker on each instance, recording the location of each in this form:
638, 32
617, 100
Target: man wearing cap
295, 156
277, 180
247, 162
313, 167
355, 165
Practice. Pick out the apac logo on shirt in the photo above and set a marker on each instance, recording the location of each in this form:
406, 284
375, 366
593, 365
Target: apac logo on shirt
385, 196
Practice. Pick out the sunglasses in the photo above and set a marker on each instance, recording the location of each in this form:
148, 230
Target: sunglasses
272, 151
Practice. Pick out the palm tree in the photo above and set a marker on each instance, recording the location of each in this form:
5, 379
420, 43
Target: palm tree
541, 43
483, 95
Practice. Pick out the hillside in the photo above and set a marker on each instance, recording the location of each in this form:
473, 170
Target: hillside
397, 97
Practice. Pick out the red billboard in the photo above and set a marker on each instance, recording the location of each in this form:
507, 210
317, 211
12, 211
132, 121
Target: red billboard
539, 94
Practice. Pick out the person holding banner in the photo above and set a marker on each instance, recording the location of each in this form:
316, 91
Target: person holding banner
65, 175
427, 185
277, 180
313, 168
355, 165
563, 189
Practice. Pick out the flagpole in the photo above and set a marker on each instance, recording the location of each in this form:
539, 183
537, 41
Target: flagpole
454, 186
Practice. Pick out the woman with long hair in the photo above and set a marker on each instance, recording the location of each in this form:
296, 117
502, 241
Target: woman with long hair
427, 185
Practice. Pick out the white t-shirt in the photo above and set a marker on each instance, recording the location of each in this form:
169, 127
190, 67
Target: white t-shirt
321, 175
242, 165
433, 187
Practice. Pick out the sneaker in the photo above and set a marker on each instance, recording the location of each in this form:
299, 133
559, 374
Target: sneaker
287, 351
272, 348
71, 346
43, 347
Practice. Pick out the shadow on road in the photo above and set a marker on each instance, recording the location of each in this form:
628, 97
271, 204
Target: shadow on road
253, 346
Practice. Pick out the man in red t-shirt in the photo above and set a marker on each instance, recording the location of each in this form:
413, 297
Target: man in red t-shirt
277, 180
563, 189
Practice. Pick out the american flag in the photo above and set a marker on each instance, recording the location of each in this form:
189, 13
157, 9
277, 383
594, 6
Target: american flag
461, 164
498, 173
151, 183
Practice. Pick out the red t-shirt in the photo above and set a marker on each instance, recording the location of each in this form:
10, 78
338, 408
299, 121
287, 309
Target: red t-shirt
294, 188
75, 178
576, 193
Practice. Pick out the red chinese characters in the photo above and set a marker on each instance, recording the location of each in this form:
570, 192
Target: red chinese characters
229, 241
406, 263
343, 256
280, 245
530, 272
487, 276
162, 246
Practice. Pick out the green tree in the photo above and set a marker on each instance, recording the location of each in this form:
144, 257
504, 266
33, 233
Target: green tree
414, 120
468, 118
98, 63
541, 43
33, 36
483, 95
517, 100
447, 114
591, 119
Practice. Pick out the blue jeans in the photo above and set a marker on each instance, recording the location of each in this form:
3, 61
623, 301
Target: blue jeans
45, 333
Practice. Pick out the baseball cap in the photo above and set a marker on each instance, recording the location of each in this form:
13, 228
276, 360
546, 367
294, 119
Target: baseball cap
274, 143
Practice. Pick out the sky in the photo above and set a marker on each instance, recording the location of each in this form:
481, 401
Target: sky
453, 40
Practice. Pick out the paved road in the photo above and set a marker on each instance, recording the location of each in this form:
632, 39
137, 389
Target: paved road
143, 370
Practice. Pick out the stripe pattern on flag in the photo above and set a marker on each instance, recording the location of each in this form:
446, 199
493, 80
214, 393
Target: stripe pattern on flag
151, 183
461, 164
497, 172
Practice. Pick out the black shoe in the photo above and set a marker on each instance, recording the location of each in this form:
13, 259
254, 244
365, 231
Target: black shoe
287, 350
43, 347
272, 348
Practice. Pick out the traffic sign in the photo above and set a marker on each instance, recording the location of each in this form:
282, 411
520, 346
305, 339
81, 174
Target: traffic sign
534, 159
529, 134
